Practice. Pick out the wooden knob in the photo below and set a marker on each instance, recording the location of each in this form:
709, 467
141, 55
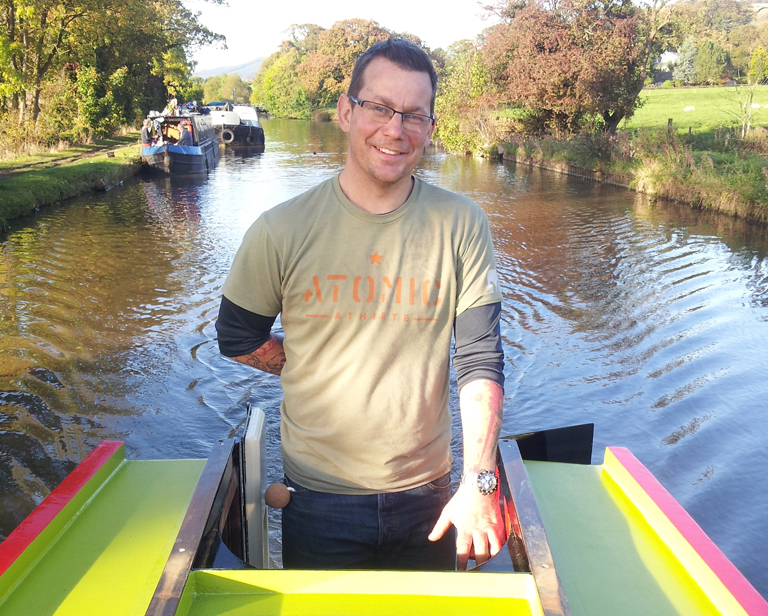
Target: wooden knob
277, 495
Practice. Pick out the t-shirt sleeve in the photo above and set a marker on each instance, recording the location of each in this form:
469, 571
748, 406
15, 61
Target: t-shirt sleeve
476, 277
255, 280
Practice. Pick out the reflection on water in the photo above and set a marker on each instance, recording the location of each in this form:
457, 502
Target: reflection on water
650, 320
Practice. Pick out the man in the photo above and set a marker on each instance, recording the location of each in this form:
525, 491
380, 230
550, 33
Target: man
185, 138
146, 133
370, 272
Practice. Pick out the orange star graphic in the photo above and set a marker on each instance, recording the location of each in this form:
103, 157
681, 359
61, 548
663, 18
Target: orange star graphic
376, 258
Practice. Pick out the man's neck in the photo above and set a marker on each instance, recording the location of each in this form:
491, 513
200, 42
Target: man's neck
374, 197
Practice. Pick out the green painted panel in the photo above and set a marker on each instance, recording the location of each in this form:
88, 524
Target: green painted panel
48, 536
109, 560
609, 559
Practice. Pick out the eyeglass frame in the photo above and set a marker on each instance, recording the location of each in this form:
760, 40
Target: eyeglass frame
432, 119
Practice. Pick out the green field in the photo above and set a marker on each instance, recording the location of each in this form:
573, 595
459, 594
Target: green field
712, 108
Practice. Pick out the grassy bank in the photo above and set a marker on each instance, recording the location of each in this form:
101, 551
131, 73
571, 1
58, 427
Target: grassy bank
697, 108
44, 179
709, 169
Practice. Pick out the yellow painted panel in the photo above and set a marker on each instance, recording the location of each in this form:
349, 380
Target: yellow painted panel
699, 571
357, 593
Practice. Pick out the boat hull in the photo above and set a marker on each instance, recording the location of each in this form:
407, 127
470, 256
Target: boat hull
242, 134
175, 159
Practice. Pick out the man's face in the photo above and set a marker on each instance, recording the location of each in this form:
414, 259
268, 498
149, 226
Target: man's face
386, 153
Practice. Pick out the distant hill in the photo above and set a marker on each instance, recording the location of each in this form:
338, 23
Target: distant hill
761, 11
246, 71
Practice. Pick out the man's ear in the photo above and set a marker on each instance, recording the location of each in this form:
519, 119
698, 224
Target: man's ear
344, 112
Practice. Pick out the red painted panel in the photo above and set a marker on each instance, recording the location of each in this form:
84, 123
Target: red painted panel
752, 602
26, 532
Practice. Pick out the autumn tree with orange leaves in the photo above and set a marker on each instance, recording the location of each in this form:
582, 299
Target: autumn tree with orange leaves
574, 61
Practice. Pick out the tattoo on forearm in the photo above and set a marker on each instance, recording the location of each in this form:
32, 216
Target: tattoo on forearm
269, 357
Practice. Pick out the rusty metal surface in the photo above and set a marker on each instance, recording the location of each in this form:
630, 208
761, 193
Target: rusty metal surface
168, 592
527, 548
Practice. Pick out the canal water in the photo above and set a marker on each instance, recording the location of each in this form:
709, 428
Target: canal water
650, 320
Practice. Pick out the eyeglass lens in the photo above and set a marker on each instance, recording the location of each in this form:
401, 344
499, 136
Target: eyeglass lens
383, 114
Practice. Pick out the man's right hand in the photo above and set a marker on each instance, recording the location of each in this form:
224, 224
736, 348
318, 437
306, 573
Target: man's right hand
480, 533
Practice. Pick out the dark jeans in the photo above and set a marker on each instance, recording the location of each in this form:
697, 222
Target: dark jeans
375, 531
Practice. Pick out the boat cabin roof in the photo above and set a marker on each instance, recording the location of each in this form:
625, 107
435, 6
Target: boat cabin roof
115, 539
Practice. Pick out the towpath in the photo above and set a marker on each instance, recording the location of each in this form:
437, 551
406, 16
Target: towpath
48, 160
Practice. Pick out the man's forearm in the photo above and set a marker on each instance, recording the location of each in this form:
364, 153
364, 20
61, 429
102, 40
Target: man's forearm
476, 516
269, 357
481, 403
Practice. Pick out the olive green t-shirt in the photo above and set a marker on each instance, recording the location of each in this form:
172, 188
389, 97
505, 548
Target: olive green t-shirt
367, 303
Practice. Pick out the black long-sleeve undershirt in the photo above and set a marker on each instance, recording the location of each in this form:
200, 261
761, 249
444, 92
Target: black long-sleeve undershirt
477, 333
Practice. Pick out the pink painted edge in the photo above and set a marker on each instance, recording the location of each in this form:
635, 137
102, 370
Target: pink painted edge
752, 602
26, 532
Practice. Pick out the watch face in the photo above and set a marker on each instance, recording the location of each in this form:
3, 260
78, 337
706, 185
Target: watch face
487, 482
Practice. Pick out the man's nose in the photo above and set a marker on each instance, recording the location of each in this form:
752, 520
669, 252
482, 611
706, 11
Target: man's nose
395, 124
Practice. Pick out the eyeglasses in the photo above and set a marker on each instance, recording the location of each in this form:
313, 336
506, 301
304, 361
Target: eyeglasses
377, 112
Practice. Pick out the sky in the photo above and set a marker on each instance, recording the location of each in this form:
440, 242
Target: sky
256, 29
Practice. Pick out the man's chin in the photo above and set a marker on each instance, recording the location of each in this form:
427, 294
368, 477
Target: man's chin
390, 177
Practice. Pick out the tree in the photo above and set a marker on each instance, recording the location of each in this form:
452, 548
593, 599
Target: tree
758, 66
33, 36
278, 87
684, 70
304, 38
465, 102
710, 62
314, 66
724, 15
729, 23
138, 50
744, 107
326, 71
223, 88
571, 59
740, 44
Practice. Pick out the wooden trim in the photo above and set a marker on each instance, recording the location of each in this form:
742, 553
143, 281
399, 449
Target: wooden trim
165, 601
522, 508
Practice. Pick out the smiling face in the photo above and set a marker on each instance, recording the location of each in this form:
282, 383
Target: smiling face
381, 157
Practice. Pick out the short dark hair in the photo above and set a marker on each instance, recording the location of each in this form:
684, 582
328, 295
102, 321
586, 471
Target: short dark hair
404, 54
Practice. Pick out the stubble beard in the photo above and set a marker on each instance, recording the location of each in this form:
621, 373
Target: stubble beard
384, 183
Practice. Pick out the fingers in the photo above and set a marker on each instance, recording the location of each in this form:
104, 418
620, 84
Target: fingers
496, 543
481, 546
442, 525
463, 548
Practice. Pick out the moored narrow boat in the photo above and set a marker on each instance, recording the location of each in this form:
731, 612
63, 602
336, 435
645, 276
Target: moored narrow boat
237, 124
166, 155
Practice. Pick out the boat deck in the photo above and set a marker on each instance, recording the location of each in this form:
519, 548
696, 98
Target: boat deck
105, 552
621, 545
611, 560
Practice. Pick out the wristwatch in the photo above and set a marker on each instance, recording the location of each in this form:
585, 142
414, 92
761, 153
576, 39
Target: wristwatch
485, 481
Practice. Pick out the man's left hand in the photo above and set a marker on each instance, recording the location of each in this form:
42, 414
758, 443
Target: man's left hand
480, 532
